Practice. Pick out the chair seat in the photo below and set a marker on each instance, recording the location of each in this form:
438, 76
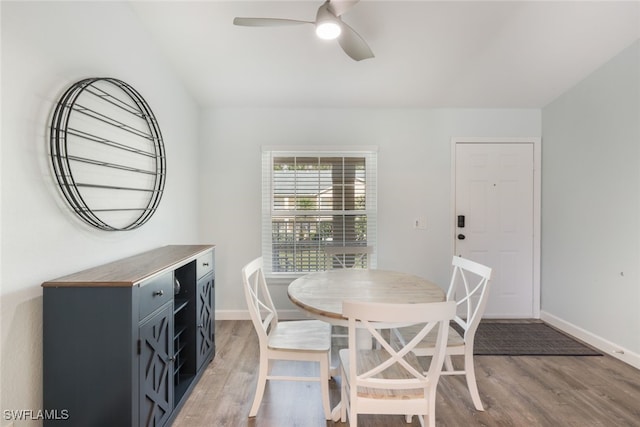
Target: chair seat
368, 359
454, 338
301, 335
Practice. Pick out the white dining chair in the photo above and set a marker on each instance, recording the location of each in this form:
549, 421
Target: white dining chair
469, 288
390, 380
302, 340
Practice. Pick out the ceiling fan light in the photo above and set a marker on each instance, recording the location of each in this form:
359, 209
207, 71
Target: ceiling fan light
328, 30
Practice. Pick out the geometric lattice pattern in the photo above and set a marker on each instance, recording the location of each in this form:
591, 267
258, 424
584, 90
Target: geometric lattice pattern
156, 361
205, 333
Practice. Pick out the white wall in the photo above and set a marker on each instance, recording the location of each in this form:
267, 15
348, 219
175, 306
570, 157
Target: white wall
46, 46
591, 207
414, 174
592, 132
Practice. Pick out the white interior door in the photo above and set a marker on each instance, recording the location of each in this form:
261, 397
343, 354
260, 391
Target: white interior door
495, 194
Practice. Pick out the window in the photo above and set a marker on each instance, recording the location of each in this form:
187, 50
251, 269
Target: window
314, 202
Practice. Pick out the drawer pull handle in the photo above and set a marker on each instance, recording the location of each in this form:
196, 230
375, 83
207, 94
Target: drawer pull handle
205, 264
158, 293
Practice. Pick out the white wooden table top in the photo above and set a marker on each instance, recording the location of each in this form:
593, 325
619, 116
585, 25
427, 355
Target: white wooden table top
322, 293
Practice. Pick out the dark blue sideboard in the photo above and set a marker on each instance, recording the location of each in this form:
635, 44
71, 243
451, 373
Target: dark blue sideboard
125, 342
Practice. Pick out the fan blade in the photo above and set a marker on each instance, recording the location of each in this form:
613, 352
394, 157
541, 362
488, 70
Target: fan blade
352, 44
267, 22
338, 7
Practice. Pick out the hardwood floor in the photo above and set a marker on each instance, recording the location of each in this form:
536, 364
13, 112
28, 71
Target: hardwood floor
517, 391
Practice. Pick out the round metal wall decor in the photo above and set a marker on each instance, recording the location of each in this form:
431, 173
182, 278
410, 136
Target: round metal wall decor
107, 154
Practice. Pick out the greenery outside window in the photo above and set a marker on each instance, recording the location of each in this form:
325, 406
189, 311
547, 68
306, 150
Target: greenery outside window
315, 200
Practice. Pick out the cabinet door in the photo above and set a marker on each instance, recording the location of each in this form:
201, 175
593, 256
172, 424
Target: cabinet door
156, 367
205, 343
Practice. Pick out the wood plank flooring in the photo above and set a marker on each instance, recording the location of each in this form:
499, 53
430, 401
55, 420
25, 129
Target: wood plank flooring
520, 391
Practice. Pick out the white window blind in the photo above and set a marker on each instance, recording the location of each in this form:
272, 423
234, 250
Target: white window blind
315, 203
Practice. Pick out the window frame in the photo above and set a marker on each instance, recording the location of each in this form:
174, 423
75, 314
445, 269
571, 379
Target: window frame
269, 153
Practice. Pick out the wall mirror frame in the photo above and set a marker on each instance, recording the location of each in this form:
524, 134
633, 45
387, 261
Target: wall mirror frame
107, 154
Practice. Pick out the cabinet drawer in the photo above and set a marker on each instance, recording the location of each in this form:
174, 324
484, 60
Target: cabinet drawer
154, 293
204, 264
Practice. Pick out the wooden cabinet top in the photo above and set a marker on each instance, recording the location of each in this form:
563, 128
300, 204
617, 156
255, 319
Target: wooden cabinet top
132, 270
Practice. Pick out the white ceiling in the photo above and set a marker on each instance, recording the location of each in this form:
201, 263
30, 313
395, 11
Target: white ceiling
502, 54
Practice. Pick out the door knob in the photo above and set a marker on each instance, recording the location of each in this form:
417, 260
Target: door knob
461, 237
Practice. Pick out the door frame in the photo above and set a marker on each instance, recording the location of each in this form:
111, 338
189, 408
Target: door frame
537, 185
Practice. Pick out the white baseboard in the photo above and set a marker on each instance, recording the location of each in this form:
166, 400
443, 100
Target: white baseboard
232, 315
601, 344
244, 315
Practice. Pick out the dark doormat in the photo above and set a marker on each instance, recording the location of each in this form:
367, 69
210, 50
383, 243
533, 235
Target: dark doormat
526, 339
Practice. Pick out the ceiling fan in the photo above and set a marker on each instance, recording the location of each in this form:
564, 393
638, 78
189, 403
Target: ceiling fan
328, 25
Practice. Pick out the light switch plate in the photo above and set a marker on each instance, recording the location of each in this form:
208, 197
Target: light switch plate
420, 223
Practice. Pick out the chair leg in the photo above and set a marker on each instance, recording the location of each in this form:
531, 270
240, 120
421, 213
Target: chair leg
343, 397
431, 415
324, 386
263, 371
353, 407
470, 374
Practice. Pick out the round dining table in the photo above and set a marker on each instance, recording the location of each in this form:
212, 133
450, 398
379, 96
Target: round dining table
321, 294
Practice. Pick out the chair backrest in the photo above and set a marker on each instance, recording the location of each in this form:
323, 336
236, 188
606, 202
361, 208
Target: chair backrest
261, 308
469, 287
379, 373
349, 256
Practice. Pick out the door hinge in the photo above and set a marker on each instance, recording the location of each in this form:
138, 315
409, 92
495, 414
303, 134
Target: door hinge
139, 346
